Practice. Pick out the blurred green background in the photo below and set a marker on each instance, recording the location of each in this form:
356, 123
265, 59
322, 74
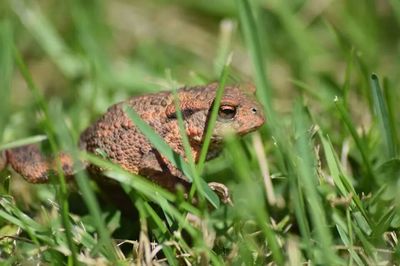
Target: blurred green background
89, 54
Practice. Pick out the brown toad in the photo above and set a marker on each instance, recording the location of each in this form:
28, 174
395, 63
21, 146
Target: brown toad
115, 135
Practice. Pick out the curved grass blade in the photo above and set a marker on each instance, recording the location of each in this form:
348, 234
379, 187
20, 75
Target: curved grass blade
177, 160
382, 115
308, 179
255, 203
62, 195
213, 116
347, 120
23, 142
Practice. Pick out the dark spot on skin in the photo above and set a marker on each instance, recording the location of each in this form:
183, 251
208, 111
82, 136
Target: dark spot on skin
67, 168
154, 101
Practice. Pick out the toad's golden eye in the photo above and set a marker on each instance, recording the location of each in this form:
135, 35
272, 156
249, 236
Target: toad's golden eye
226, 112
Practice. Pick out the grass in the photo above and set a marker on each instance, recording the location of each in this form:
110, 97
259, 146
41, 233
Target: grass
330, 142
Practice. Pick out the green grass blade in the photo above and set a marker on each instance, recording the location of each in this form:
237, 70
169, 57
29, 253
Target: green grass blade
62, 195
254, 205
340, 180
68, 143
350, 126
308, 180
22, 142
250, 32
140, 184
391, 104
203, 188
159, 143
147, 188
186, 144
6, 70
381, 113
94, 209
346, 237
166, 150
297, 197
213, 116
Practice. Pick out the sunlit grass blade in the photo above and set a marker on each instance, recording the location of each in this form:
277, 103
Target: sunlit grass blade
147, 188
186, 144
39, 232
6, 70
345, 234
361, 147
298, 199
166, 150
22, 142
141, 184
161, 233
227, 30
340, 180
62, 195
213, 117
82, 180
333, 165
254, 205
250, 31
382, 116
308, 180
390, 95
383, 224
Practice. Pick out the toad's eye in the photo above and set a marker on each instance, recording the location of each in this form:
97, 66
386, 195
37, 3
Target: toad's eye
226, 112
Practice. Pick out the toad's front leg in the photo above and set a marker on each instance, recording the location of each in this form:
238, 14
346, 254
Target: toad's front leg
34, 166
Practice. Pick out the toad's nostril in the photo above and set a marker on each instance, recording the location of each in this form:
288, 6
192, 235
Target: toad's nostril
254, 110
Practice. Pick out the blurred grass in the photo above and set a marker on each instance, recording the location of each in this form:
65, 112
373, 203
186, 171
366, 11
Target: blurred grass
333, 163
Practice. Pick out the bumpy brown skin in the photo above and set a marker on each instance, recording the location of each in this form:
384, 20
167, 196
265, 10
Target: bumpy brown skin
115, 135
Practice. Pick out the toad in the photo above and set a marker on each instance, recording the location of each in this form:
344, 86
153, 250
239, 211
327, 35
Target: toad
115, 135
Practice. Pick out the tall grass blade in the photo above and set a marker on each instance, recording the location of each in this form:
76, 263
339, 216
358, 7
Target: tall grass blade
105, 244
341, 181
172, 156
188, 151
62, 195
22, 142
6, 70
382, 115
213, 116
391, 104
307, 176
254, 205
250, 32
360, 145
